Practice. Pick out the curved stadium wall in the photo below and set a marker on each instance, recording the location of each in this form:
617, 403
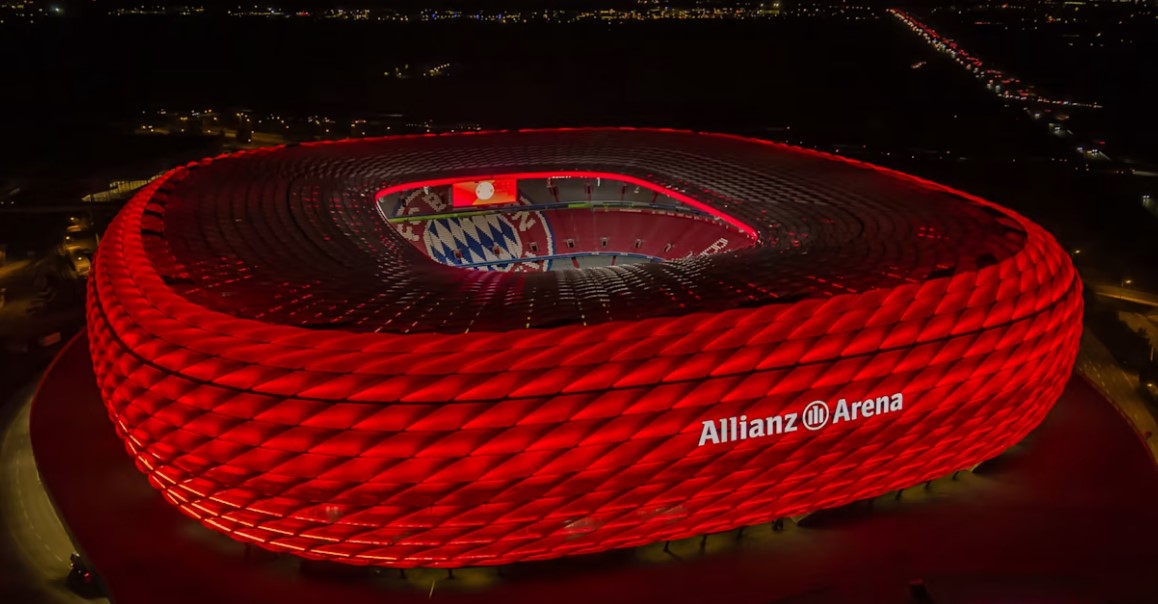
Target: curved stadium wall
289, 371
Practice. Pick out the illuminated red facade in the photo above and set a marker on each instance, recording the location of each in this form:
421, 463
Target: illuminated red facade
287, 369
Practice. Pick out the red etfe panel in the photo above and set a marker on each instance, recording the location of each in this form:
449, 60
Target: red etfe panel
371, 448
484, 192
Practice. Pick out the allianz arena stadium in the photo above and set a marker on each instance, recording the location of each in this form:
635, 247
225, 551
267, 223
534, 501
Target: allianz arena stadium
486, 348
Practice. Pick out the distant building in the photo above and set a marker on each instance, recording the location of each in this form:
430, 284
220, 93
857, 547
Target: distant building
770, 8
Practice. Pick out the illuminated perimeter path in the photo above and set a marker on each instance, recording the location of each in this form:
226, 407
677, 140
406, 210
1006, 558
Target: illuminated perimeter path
382, 352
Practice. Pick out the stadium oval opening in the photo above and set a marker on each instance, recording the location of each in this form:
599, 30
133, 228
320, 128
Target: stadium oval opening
532, 222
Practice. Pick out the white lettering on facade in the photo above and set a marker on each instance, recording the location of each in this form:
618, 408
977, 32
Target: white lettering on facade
815, 416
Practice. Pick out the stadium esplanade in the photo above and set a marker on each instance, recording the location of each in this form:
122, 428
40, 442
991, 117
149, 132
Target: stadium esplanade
493, 347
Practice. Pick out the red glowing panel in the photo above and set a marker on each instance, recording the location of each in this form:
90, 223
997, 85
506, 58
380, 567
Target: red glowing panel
490, 192
480, 447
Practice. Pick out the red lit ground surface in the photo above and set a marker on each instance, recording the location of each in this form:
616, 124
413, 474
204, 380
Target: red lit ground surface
1067, 516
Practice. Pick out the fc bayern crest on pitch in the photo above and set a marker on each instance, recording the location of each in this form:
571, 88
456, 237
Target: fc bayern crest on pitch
490, 241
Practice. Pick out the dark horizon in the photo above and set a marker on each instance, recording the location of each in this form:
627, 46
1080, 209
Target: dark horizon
74, 7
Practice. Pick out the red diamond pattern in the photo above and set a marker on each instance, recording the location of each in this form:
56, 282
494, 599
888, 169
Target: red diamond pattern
491, 447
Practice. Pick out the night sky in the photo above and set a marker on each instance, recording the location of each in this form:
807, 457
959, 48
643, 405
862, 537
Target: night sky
100, 6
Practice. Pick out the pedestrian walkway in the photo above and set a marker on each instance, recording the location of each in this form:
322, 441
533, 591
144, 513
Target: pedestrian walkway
33, 543
1097, 365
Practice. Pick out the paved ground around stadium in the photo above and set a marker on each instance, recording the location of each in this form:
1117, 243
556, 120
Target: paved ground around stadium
34, 546
1066, 516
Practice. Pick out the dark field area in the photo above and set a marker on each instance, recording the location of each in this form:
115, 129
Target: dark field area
830, 80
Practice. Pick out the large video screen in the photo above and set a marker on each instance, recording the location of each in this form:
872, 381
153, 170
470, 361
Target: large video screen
485, 192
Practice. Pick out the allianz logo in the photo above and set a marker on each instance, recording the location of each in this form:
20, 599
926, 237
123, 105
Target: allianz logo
815, 416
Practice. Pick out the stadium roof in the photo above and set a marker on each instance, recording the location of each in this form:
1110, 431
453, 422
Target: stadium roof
292, 236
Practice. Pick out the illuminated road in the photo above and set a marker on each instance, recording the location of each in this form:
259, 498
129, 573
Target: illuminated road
34, 546
996, 80
13, 267
1126, 294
